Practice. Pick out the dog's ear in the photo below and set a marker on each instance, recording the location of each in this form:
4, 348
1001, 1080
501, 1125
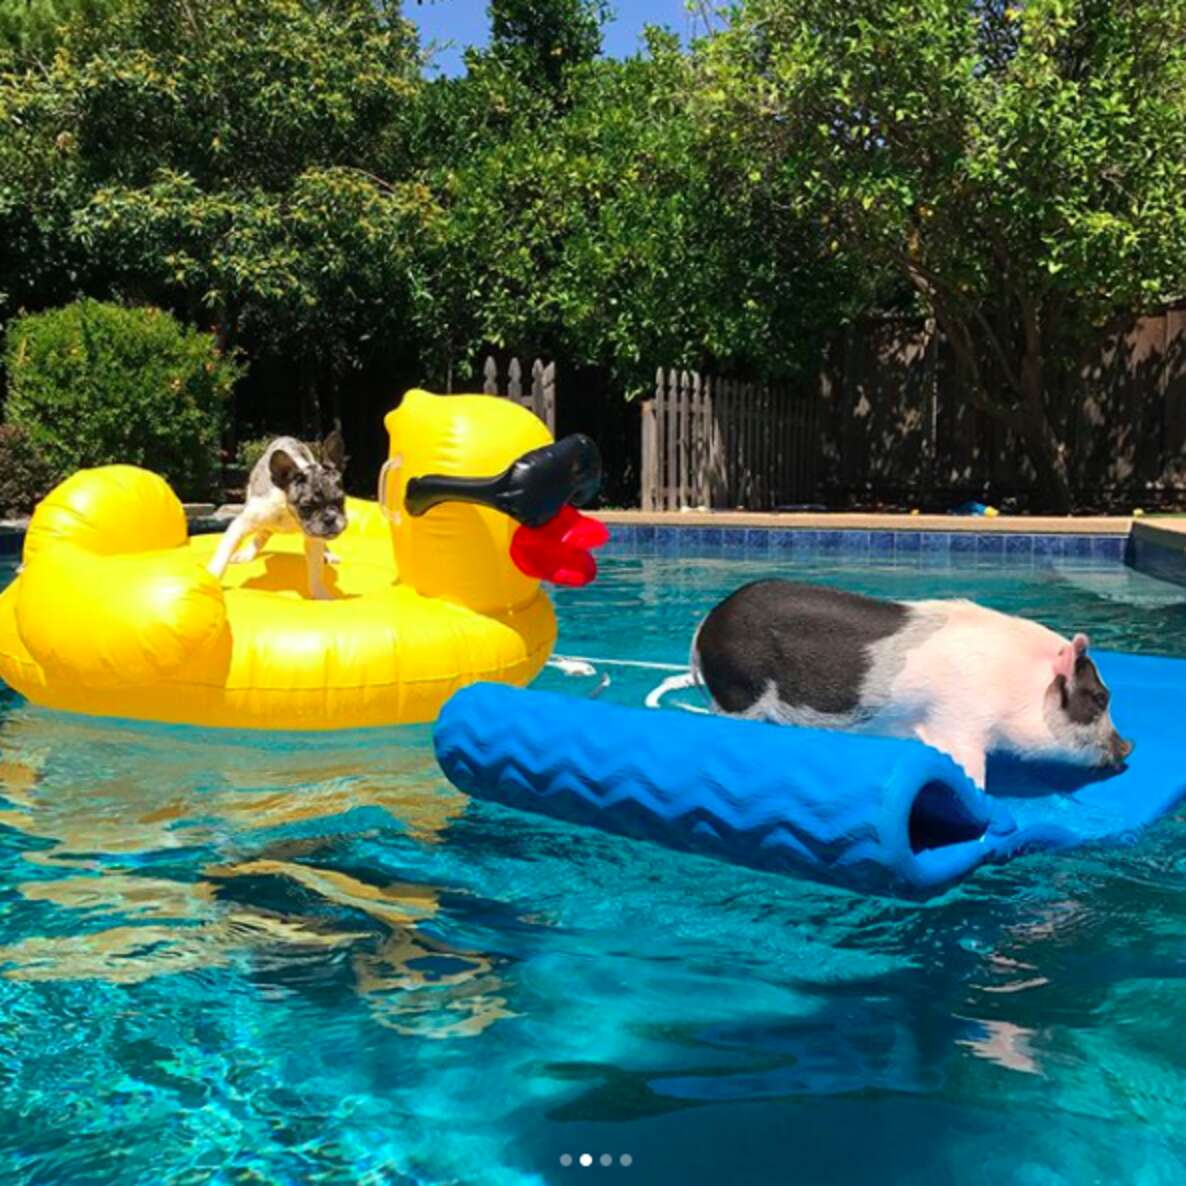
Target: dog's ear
282, 468
333, 448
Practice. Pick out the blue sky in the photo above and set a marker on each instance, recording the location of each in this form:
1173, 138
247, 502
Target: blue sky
464, 23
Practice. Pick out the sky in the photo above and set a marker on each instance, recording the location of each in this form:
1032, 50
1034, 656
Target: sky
464, 23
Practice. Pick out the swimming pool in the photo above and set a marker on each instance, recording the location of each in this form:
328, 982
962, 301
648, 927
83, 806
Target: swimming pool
236, 959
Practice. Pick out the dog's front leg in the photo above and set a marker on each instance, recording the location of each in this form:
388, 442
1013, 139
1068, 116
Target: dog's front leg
227, 546
315, 562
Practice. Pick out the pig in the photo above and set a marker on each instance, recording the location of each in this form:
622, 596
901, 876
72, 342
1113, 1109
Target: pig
962, 678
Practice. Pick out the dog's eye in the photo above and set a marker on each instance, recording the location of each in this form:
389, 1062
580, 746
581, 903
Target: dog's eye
1101, 699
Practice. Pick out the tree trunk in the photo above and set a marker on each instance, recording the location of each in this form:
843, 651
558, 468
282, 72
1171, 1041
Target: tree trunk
1048, 456
985, 358
1046, 452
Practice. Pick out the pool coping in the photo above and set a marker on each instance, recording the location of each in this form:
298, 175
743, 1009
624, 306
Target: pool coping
851, 521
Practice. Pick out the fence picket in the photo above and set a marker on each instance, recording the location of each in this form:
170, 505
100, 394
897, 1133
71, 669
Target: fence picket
743, 457
763, 430
687, 439
733, 498
661, 435
549, 397
541, 399
671, 479
648, 500
724, 402
712, 444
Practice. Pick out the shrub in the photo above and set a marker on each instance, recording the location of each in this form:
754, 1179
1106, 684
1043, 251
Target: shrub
97, 384
25, 476
250, 451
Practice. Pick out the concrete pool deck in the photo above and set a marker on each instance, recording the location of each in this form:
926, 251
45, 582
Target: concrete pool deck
847, 521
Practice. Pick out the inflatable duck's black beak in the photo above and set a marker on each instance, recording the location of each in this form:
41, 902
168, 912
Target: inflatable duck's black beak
532, 490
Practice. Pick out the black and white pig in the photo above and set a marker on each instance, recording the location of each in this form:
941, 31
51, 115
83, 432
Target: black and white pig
964, 679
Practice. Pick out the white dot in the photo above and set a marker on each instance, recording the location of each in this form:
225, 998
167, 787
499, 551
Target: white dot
586, 1159
606, 1159
626, 1159
566, 1159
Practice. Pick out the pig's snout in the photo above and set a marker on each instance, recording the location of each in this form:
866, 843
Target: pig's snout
1118, 749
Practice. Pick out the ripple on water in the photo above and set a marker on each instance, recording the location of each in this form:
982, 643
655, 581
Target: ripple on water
244, 958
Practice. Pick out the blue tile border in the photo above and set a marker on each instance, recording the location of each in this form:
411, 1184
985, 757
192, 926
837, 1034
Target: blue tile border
1004, 548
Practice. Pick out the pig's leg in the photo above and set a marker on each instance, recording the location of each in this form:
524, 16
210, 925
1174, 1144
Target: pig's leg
967, 750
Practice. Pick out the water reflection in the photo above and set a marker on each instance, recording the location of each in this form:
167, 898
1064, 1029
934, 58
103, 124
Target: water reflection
175, 842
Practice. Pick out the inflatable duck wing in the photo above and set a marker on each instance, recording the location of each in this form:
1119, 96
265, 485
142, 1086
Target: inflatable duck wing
438, 585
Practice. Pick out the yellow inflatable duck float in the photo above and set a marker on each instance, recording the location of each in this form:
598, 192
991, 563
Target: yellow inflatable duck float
437, 586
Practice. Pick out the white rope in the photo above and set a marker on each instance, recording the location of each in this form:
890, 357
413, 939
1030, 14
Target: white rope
572, 666
583, 665
674, 683
558, 659
580, 667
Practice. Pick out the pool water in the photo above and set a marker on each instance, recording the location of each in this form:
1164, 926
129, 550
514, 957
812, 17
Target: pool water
234, 958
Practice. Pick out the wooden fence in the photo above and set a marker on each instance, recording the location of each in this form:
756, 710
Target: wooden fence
539, 397
887, 420
898, 424
713, 442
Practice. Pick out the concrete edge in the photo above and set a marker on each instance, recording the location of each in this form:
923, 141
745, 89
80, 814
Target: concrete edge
843, 521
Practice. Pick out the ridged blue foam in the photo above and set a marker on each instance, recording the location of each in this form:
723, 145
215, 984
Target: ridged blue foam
876, 814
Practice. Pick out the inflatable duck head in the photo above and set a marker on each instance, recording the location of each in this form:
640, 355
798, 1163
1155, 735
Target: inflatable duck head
482, 502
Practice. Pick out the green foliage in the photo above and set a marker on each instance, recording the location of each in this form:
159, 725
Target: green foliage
250, 451
97, 384
543, 39
25, 475
32, 29
237, 161
279, 172
604, 233
1022, 167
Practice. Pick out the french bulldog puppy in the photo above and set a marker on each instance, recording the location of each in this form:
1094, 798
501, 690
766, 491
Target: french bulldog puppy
291, 488
959, 677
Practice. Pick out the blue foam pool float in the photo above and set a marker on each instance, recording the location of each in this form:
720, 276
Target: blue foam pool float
876, 814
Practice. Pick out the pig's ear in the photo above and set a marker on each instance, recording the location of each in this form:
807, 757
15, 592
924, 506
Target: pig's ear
1064, 661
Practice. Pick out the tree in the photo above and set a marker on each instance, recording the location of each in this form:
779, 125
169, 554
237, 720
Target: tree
605, 234
1022, 167
544, 39
238, 161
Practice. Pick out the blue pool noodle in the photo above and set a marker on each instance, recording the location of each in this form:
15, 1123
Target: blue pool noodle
875, 814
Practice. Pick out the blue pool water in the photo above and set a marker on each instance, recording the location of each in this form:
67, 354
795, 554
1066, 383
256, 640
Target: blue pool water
228, 958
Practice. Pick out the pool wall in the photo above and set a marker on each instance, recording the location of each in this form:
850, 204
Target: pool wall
1159, 550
